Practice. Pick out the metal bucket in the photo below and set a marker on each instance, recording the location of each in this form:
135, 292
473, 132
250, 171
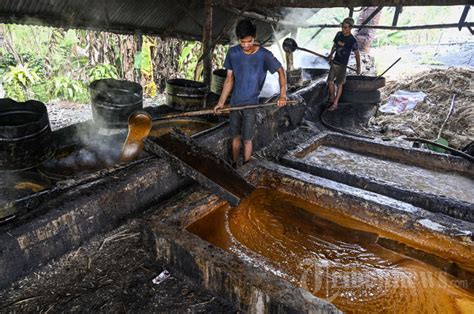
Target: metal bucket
217, 80
25, 134
113, 101
186, 95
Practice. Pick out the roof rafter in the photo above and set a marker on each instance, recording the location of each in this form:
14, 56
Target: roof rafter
342, 3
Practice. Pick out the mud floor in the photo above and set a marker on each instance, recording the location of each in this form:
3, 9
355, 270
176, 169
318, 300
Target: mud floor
112, 273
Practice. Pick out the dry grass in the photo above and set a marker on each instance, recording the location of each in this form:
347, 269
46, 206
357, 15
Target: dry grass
426, 119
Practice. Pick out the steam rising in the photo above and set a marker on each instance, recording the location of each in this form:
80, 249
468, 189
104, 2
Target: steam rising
89, 155
291, 16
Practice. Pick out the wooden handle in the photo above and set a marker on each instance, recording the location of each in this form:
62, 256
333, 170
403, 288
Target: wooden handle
327, 58
387, 69
225, 109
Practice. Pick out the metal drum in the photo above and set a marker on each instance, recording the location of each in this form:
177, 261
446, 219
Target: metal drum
217, 80
113, 101
25, 134
186, 95
362, 83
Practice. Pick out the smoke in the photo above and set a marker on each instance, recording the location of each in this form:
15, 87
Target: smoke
86, 157
286, 28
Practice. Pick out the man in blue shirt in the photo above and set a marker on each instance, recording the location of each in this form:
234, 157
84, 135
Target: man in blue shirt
344, 43
247, 65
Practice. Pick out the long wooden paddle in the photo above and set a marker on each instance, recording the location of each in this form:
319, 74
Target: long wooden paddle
223, 110
290, 45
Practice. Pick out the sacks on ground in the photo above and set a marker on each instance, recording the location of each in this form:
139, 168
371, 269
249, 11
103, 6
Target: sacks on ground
401, 101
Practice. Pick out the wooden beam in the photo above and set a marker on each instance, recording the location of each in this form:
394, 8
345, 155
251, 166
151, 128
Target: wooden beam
189, 13
207, 44
340, 3
463, 16
314, 36
138, 71
226, 28
470, 29
371, 16
416, 27
351, 11
253, 15
398, 10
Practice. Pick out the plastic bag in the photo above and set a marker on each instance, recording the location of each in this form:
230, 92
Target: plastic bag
401, 101
161, 277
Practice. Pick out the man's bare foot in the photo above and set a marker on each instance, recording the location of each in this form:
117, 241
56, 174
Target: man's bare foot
333, 106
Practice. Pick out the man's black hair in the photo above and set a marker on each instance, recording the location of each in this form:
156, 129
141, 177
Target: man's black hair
245, 28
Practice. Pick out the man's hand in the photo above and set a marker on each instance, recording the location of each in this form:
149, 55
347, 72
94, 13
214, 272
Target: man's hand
219, 105
281, 101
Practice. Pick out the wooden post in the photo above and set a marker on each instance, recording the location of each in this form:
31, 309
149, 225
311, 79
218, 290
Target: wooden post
351, 11
289, 61
137, 66
398, 10
207, 44
371, 16
463, 16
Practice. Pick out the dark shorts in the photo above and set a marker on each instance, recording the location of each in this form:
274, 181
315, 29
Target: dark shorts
242, 123
337, 73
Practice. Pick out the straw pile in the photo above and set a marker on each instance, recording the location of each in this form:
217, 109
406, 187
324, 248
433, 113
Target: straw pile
426, 119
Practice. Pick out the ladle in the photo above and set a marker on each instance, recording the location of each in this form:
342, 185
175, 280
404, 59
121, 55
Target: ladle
139, 126
290, 45
140, 123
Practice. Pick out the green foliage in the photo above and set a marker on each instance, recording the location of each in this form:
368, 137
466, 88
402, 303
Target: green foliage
428, 58
19, 80
102, 71
31, 59
187, 62
63, 87
146, 64
188, 59
218, 58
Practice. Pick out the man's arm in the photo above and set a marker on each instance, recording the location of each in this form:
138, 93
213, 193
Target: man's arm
226, 89
332, 51
282, 80
357, 56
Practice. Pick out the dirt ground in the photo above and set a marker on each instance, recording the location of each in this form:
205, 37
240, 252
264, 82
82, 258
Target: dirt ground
416, 59
64, 113
111, 273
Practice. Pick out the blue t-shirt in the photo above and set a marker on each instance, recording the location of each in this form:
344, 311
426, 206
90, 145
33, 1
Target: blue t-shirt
344, 46
250, 72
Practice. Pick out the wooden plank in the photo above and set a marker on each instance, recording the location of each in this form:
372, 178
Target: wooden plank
201, 165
